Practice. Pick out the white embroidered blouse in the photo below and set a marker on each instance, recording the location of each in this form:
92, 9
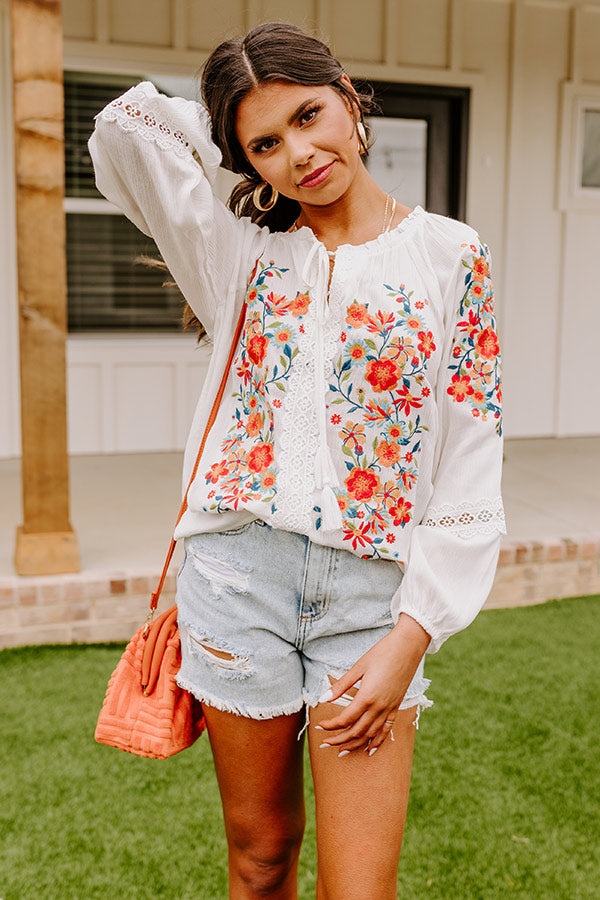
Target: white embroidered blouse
364, 413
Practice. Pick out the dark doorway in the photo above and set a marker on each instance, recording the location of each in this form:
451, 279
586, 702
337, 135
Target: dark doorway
436, 120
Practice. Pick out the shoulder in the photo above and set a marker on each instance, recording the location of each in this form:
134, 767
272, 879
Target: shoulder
455, 251
450, 238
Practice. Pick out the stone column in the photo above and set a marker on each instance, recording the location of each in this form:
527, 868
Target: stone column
46, 542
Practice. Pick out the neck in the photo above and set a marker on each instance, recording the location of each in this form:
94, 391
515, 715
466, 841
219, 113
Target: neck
355, 217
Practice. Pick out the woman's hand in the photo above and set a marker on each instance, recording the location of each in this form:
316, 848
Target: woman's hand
385, 672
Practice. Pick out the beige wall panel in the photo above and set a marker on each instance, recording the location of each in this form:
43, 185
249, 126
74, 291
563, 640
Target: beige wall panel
357, 30
84, 393
300, 12
423, 32
578, 406
486, 49
78, 19
534, 227
590, 49
141, 22
213, 21
486, 36
144, 410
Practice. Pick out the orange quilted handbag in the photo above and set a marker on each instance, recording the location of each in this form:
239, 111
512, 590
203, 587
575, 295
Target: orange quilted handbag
145, 711
150, 715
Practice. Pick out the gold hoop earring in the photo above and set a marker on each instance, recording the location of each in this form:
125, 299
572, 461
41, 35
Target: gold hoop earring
362, 138
256, 197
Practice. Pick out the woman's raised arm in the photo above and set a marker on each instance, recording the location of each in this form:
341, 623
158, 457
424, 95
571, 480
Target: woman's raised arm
154, 159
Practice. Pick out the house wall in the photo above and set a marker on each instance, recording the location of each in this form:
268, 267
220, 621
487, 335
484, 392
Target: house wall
523, 60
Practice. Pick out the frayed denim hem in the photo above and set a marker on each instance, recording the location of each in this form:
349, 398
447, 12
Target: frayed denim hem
248, 712
416, 698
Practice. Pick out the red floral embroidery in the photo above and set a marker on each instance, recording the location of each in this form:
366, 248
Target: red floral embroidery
388, 453
217, 471
260, 457
475, 368
426, 344
299, 305
487, 343
460, 388
248, 471
357, 315
383, 374
257, 348
254, 424
401, 513
382, 429
480, 269
362, 484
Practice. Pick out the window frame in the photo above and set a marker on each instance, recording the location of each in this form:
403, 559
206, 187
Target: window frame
446, 111
576, 99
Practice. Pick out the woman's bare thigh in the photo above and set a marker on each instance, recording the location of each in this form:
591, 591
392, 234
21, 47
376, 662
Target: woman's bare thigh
259, 766
361, 804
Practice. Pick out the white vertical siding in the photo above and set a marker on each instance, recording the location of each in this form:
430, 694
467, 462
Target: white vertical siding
132, 394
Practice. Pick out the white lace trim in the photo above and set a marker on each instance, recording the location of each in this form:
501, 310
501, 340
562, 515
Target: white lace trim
299, 438
483, 516
300, 429
128, 112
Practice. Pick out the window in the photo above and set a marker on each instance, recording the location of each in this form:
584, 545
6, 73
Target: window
579, 160
420, 154
590, 162
107, 290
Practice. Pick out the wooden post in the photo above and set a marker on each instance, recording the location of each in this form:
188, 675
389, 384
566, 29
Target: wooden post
46, 542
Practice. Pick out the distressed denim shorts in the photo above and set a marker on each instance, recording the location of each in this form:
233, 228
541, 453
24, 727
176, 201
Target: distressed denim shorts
266, 615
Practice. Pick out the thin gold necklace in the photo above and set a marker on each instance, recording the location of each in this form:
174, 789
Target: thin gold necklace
388, 225
388, 218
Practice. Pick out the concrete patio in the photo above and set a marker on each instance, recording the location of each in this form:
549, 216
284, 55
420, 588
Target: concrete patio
123, 508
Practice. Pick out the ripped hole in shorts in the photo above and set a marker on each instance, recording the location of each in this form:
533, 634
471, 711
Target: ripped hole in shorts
219, 574
219, 655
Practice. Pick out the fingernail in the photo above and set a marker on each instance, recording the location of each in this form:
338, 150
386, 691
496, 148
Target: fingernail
328, 695
324, 745
343, 753
373, 750
319, 728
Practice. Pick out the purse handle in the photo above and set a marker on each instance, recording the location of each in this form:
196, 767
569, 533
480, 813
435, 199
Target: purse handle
209, 424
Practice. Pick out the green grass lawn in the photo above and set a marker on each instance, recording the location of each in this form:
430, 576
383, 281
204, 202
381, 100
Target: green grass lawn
504, 799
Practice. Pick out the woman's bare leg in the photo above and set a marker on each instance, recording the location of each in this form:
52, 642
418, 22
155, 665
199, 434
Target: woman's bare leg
259, 770
361, 804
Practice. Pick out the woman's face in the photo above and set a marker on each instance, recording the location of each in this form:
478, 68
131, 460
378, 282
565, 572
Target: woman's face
300, 139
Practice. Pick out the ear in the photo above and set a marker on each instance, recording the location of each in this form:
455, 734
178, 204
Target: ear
354, 108
348, 83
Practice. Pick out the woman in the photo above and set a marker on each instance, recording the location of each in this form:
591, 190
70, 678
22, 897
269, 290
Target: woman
346, 513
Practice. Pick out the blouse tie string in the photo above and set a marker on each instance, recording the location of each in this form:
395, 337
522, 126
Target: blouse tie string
315, 274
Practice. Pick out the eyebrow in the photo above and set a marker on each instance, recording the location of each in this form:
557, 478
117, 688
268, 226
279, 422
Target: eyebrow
291, 120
